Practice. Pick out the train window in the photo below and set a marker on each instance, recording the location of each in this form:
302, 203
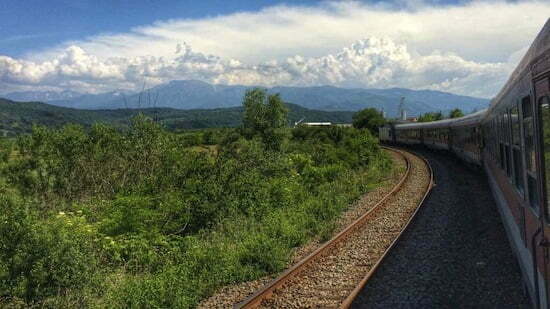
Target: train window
514, 117
508, 160
495, 141
528, 134
501, 127
518, 168
506, 126
507, 147
544, 108
501, 160
529, 150
516, 148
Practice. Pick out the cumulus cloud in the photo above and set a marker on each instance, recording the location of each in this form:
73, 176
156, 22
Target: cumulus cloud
372, 62
467, 49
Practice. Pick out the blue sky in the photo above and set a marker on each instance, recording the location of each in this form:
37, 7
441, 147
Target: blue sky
34, 24
99, 46
31, 24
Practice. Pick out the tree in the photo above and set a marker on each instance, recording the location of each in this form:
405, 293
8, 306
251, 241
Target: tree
264, 115
369, 118
431, 116
455, 113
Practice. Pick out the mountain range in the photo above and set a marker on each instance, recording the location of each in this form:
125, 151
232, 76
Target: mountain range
193, 94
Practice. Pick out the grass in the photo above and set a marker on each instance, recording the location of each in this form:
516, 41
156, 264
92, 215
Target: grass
156, 219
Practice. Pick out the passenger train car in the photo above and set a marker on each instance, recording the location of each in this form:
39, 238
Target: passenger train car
511, 141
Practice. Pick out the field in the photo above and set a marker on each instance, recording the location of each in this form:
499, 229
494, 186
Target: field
145, 217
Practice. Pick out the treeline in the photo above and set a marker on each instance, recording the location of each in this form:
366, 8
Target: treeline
145, 217
19, 117
435, 116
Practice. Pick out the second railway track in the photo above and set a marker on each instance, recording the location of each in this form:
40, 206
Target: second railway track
331, 276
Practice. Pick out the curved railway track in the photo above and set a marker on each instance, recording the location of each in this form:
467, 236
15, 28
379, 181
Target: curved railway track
335, 273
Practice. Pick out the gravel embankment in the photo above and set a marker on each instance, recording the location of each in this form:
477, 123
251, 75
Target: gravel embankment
454, 254
326, 282
227, 296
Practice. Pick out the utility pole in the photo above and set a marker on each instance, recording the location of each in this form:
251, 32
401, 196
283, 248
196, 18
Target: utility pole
402, 111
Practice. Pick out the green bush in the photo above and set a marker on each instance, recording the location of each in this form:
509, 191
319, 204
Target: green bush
159, 219
40, 259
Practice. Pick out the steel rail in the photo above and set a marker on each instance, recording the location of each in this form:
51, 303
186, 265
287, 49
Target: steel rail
255, 299
351, 297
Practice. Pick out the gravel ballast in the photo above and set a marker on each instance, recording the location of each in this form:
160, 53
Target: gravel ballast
454, 254
227, 296
327, 281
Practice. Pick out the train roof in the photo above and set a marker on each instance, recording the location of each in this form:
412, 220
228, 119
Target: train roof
539, 46
470, 119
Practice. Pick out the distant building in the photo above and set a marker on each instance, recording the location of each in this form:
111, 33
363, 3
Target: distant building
321, 124
316, 124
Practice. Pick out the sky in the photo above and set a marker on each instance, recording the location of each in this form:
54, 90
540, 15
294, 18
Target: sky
459, 46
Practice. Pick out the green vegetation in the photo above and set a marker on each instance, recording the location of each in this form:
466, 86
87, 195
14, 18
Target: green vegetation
370, 119
434, 116
427, 117
19, 117
456, 113
143, 217
265, 116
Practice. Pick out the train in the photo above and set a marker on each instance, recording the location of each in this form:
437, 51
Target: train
510, 141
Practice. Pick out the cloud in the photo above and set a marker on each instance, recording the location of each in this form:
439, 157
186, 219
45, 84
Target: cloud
372, 62
467, 49
479, 30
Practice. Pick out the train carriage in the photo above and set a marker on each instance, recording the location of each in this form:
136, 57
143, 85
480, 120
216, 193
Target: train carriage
408, 136
466, 137
511, 140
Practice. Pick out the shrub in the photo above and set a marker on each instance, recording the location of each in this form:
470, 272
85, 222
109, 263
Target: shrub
40, 259
163, 219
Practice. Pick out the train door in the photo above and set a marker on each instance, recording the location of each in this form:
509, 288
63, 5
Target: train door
542, 112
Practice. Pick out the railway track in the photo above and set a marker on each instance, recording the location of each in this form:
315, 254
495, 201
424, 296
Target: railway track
335, 273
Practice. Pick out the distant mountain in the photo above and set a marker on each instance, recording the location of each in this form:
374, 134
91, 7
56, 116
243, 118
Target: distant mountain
18, 117
107, 100
41, 96
192, 94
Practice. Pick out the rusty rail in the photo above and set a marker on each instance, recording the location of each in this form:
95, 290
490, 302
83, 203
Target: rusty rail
349, 300
255, 299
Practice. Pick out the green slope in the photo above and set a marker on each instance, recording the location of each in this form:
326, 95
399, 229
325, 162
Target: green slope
18, 117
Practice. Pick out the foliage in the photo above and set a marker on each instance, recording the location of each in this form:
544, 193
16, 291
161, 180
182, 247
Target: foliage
456, 113
370, 119
433, 116
43, 258
19, 117
265, 116
144, 217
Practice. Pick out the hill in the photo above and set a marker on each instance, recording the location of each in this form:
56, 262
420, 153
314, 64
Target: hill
18, 117
193, 94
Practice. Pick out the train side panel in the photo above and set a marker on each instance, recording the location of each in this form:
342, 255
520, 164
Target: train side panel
514, 156
408, 136
436, 138
511, 140
385, 134
467, 143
